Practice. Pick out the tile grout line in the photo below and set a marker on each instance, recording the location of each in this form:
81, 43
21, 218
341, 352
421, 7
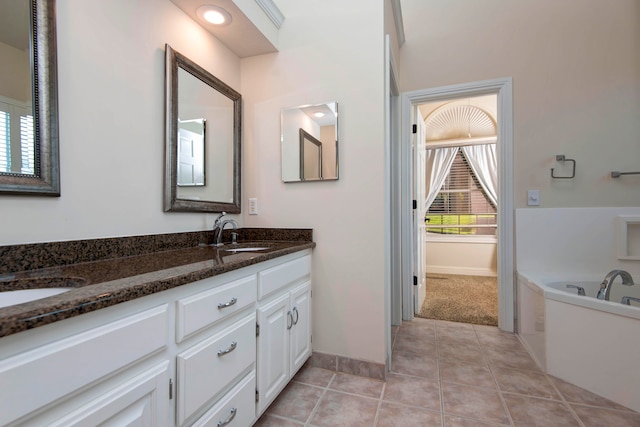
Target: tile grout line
440, 390
375, 419
563, 399
495, 380
317, 405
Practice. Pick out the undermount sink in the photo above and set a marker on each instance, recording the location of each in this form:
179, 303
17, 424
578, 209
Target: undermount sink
8, 298
255, 249
19, 291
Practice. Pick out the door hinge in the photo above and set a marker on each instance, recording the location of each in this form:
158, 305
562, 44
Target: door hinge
170, 389
415, 204
414, 129
257, 330
415, 280
257, 395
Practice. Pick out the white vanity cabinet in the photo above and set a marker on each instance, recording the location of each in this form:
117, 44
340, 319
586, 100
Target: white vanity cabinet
73, 380
284, 320
223, 355
188, 356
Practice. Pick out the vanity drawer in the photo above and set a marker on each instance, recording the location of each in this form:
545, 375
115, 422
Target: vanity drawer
206, 308
237, 407
283, 275
38, 377
214, 364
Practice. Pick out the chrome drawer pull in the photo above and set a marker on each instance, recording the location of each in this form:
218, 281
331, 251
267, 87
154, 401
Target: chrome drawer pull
228, 349
228, 420
295, 310
228, 304
289, 320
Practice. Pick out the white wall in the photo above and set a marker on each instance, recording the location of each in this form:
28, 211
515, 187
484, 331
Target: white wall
570, 241
472, 259
111, 106
576, 84
329, 50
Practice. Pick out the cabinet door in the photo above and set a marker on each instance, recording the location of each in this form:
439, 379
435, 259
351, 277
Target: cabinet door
301, 330
141, 401
273, 350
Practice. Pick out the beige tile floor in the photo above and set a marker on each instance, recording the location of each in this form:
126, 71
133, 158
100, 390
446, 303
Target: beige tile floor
445, 374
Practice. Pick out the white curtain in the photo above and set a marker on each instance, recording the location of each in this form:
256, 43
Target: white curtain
439, 161
482, 160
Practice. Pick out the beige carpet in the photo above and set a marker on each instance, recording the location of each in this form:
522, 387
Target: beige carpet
469, 299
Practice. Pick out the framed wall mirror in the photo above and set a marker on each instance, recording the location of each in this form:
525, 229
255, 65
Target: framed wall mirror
309, 138
203, 125
29, 154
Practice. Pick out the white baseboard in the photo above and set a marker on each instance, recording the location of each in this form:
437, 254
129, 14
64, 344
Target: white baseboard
464, 271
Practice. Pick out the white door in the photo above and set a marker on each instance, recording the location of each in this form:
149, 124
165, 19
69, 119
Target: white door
419, 230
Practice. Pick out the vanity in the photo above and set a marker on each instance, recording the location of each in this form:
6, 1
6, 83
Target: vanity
182, 333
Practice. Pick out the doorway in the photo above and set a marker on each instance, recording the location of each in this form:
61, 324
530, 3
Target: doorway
455, 186
501, 88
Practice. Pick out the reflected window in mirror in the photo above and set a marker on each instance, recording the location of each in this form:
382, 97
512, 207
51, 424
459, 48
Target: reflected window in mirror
29, 162
309, 138
203, 114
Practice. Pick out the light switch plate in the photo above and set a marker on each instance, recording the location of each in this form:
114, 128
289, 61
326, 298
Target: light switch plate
253, 206
533, 197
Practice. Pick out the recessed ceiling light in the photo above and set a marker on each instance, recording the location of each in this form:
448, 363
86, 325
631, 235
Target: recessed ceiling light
319, 114
214, 15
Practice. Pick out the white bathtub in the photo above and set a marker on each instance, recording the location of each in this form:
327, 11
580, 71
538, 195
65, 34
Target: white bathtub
591, 343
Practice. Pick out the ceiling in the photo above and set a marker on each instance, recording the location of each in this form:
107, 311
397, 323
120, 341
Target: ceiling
329, 117
241, 36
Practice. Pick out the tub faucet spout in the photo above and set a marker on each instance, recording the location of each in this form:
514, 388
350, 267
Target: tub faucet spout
605, 286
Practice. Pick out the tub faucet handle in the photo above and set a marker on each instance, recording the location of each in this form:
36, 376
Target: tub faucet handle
580, 289
627, 300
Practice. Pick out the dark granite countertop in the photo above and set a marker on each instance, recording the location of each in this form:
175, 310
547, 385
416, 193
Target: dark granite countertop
114, 276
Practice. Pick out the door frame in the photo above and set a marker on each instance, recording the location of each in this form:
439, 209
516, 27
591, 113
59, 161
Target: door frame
502, 87
392, 230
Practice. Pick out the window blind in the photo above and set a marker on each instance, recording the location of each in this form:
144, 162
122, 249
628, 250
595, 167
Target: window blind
461, 205
5, 142
27, 145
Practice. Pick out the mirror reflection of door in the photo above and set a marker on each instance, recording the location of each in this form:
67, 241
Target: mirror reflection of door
310, 157
191, 158
196, 100
320, 121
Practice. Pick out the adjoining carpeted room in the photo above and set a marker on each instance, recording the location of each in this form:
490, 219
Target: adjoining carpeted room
459, 298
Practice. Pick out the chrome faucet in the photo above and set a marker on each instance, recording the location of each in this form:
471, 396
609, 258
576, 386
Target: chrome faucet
218, 226
605, 286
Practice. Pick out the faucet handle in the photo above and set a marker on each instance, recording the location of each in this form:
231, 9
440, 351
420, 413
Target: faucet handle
580, 289
627, 300
218, 220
